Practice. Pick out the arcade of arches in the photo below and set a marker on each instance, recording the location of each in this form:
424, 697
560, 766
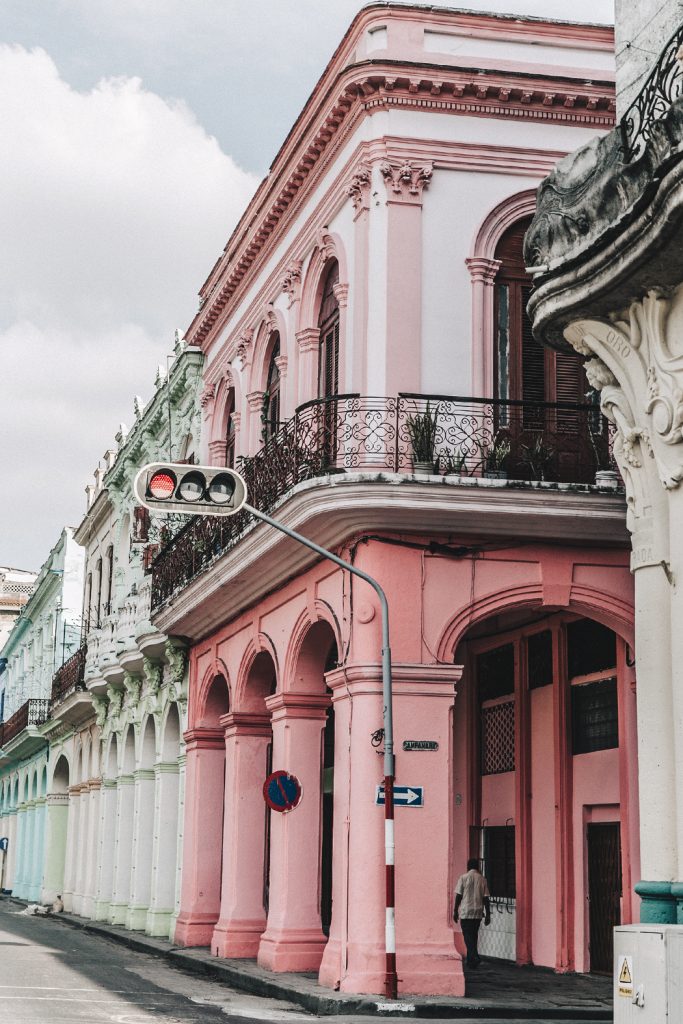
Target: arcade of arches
527, 694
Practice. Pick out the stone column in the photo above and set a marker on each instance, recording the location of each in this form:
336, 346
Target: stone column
293, 939
38, 852
404, 182
308, 343
27, 850
243, 918
71, 848
125, 807
57, 821
81, 850
19, 873
164, 851
426, 958
630, 363
106, 844
200, 899
483, 272
11, 848
141, 855
92, 849
358, 190
180, 843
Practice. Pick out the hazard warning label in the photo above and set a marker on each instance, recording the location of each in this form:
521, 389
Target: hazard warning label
625, 976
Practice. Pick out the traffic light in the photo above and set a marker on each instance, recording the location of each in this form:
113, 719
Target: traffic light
195, 490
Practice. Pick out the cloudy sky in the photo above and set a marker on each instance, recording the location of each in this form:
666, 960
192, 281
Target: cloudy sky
133, 132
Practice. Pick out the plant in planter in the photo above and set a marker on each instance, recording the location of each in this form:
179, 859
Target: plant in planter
538, 456
422, 433
455, 463
494, 456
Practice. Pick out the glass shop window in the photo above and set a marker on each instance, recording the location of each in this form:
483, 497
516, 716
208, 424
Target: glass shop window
591, 647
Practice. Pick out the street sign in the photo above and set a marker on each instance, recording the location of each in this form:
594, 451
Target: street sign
420, 745
404, 796
282, 791
4, 843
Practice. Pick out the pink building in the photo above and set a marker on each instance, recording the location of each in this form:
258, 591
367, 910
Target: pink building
370, 368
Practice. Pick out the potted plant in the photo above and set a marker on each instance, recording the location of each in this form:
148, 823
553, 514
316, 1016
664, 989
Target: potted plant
538, 455
455, 463
494, 457
422, 432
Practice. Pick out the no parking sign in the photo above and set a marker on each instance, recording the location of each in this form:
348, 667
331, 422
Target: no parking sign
282, 791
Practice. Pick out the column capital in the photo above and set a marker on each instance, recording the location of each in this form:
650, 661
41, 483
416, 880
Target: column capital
482, 269
217, 451
405, 181
358, 188
291, 282
203, 739
341, 293
297, 705
244, 723
308, 339
407, 679
255, 400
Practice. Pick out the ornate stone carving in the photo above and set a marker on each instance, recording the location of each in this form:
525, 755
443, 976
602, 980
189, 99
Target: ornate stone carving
228, 378
405, 180
176, 653
639, 352
341, 293
100, 707
325, 244
154, 675
115, 701
208, 394
244, 344
132, 686
291, 282
270, 318
358, 189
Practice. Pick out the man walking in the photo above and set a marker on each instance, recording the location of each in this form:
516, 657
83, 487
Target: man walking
471, 904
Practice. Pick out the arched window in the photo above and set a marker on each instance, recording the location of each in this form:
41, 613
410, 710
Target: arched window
328, 322
88, 601
230, 441
98, 606
524, 369
110, 578
271, 403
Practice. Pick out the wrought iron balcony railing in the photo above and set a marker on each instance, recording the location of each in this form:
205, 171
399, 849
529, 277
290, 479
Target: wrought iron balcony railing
661, 88
70, 676
33, 712
348, 433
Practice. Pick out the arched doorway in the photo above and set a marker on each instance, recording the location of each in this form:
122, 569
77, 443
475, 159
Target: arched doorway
167, 835
56, 830
545, 728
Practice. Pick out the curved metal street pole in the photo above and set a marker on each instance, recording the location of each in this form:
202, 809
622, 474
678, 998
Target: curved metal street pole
390, 979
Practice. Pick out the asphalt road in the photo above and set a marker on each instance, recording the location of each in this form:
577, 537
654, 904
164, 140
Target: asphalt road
52, 973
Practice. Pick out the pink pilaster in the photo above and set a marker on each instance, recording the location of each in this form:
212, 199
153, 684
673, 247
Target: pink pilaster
243, 917
403, 358
483, 272
294, 940
204, 788
308, 341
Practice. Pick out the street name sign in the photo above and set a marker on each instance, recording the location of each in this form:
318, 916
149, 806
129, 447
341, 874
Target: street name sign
404, 796
420, 745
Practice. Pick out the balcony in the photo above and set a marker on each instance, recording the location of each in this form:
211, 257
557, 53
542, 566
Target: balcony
19, 734
467, 439
70, 677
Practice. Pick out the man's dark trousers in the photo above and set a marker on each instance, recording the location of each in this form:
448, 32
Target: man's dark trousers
470, 933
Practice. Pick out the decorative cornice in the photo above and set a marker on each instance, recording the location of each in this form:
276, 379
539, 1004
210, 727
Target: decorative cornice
405, 182
359, 92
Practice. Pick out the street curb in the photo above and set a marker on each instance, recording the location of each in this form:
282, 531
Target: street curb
307, 994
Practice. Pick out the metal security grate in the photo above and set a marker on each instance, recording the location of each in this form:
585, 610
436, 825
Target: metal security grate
498, 738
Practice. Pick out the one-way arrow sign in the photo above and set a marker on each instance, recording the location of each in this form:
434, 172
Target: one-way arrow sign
404, 796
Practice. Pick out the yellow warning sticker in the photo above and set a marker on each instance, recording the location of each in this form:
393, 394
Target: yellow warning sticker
625, 976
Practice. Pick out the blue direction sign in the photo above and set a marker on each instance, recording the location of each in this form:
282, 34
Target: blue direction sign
404, 796
4, 843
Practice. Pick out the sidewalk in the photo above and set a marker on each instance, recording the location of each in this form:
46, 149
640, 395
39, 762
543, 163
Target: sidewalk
497, 990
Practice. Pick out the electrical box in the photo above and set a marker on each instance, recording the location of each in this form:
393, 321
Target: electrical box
648, 974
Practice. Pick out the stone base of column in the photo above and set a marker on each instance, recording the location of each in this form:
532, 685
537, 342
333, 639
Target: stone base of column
238, 938
658, 904
117, 913
159, 922
292, 950
422, 970
88, 908
195, 930
136, 918
101, 912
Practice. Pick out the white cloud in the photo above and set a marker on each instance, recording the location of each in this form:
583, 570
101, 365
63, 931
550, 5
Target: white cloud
114, 206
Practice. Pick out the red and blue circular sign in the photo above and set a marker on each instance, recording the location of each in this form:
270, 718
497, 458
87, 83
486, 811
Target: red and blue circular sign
282, 791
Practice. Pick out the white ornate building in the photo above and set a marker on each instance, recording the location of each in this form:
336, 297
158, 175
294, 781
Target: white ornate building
118, 706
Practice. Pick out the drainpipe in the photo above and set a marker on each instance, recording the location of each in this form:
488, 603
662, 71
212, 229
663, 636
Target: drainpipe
390, 977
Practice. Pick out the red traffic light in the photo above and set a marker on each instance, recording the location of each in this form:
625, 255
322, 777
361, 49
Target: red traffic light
161, 485
177, 487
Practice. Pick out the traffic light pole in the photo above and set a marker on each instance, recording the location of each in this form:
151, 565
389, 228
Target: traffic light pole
390, 980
